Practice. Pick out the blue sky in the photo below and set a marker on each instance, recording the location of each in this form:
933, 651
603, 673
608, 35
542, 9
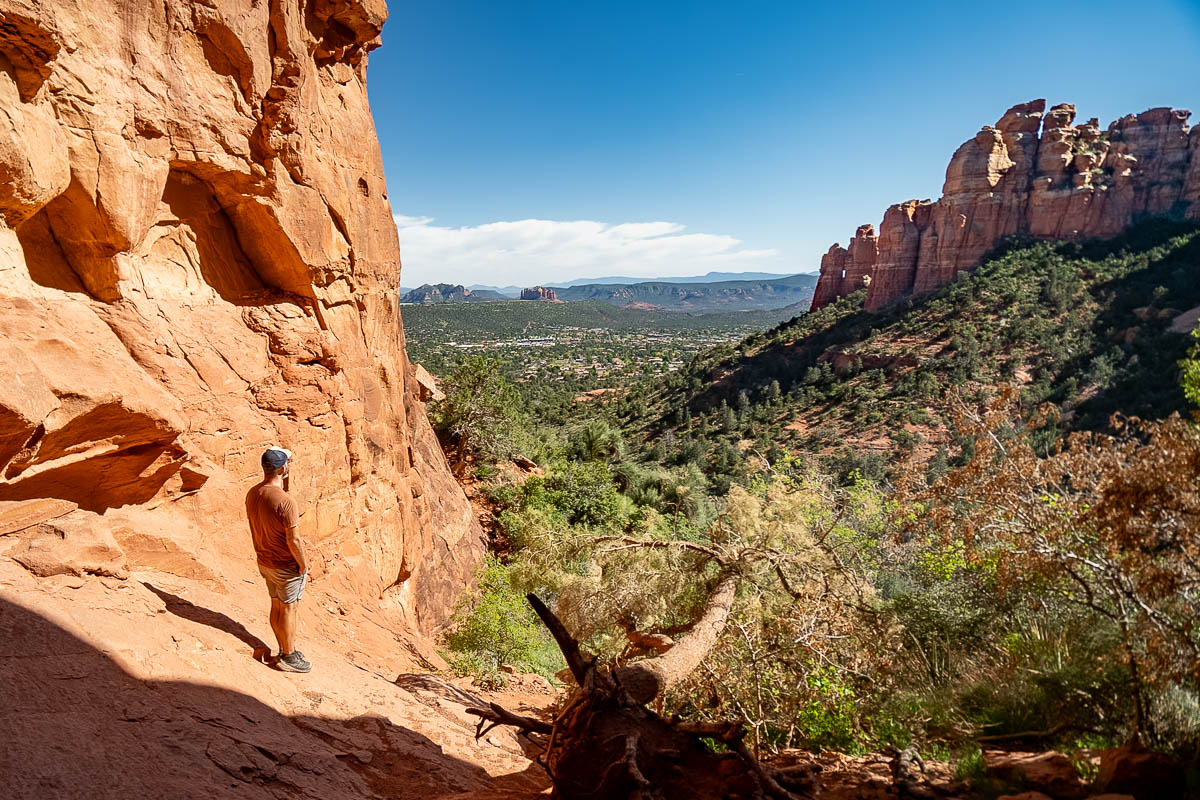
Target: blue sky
529, 142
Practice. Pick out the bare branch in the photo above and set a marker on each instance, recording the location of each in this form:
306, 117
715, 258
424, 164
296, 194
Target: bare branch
576, 661
498, 715
661, 544
645, 680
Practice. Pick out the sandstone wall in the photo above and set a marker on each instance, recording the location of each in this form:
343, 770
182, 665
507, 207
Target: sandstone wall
197, 258
1067, 182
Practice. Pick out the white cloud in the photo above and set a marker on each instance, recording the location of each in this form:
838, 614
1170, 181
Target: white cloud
532, 251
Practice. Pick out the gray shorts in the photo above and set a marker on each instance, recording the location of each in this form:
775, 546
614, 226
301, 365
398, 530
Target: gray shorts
285, 585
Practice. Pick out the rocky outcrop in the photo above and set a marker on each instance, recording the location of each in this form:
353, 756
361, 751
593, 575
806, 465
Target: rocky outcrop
153, 686
197, 258
846, 270
1070, 181
539, 293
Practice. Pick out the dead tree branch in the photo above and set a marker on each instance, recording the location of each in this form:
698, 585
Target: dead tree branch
499, 715
576, 661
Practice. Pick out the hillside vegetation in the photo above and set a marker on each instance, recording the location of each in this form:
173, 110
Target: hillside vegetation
1083, 326
1029, 578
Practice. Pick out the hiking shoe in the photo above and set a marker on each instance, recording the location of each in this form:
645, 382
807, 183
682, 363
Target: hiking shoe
293, 662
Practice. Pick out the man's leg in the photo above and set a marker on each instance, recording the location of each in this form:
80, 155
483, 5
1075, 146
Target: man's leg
290, 659
289, 622
279, 625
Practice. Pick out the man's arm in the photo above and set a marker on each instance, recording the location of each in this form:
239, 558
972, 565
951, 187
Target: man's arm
294, 544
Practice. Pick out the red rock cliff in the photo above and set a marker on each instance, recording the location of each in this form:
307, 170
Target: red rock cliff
1071, 182
197, 258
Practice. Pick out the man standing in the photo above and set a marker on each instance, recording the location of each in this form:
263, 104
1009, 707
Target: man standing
273, 526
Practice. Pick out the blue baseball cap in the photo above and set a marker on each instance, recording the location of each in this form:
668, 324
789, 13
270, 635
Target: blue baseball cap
275, 457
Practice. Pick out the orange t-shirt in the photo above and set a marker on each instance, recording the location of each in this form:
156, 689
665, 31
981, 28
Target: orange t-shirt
271, 512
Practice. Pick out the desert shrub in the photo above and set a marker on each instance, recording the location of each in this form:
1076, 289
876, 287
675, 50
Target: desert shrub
848, 465
1095, 546
595, 441
970, 765
496, 627
791, 662
1191, 372
587, 495
482, 413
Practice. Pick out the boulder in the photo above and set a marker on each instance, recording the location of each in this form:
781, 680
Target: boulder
78, 544
1050, 772
1133, 769
427, 385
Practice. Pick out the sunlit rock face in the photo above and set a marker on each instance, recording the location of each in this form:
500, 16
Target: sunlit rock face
1036, 172
197, 258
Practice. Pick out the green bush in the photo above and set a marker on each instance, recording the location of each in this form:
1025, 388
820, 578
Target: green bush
586, 493
499, 627
481, 415
970, 765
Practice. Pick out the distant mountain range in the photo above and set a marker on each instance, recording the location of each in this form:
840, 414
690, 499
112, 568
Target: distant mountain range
448, 293
508, 291
711, 277
764, 291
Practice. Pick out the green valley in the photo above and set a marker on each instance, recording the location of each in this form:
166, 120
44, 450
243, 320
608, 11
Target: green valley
876, 477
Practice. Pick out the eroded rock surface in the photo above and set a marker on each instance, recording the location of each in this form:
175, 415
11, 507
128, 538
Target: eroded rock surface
1070, 181
197, 259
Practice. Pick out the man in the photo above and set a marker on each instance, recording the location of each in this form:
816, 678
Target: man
273, 526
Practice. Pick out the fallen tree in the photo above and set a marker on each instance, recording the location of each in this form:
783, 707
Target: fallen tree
752, 631
606, 743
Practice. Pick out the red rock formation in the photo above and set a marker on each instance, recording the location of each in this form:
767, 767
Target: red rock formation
1191, 189
831, 283
1071, 182
899, 247
197, 258
539, 293
843, 270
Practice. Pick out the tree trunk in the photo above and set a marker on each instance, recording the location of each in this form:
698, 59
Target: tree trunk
646, 680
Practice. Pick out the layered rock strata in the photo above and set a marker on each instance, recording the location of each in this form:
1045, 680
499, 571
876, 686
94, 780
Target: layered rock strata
1034, 173
197, 259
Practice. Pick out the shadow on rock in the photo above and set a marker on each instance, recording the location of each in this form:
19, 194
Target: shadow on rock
213, 619
73, 723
